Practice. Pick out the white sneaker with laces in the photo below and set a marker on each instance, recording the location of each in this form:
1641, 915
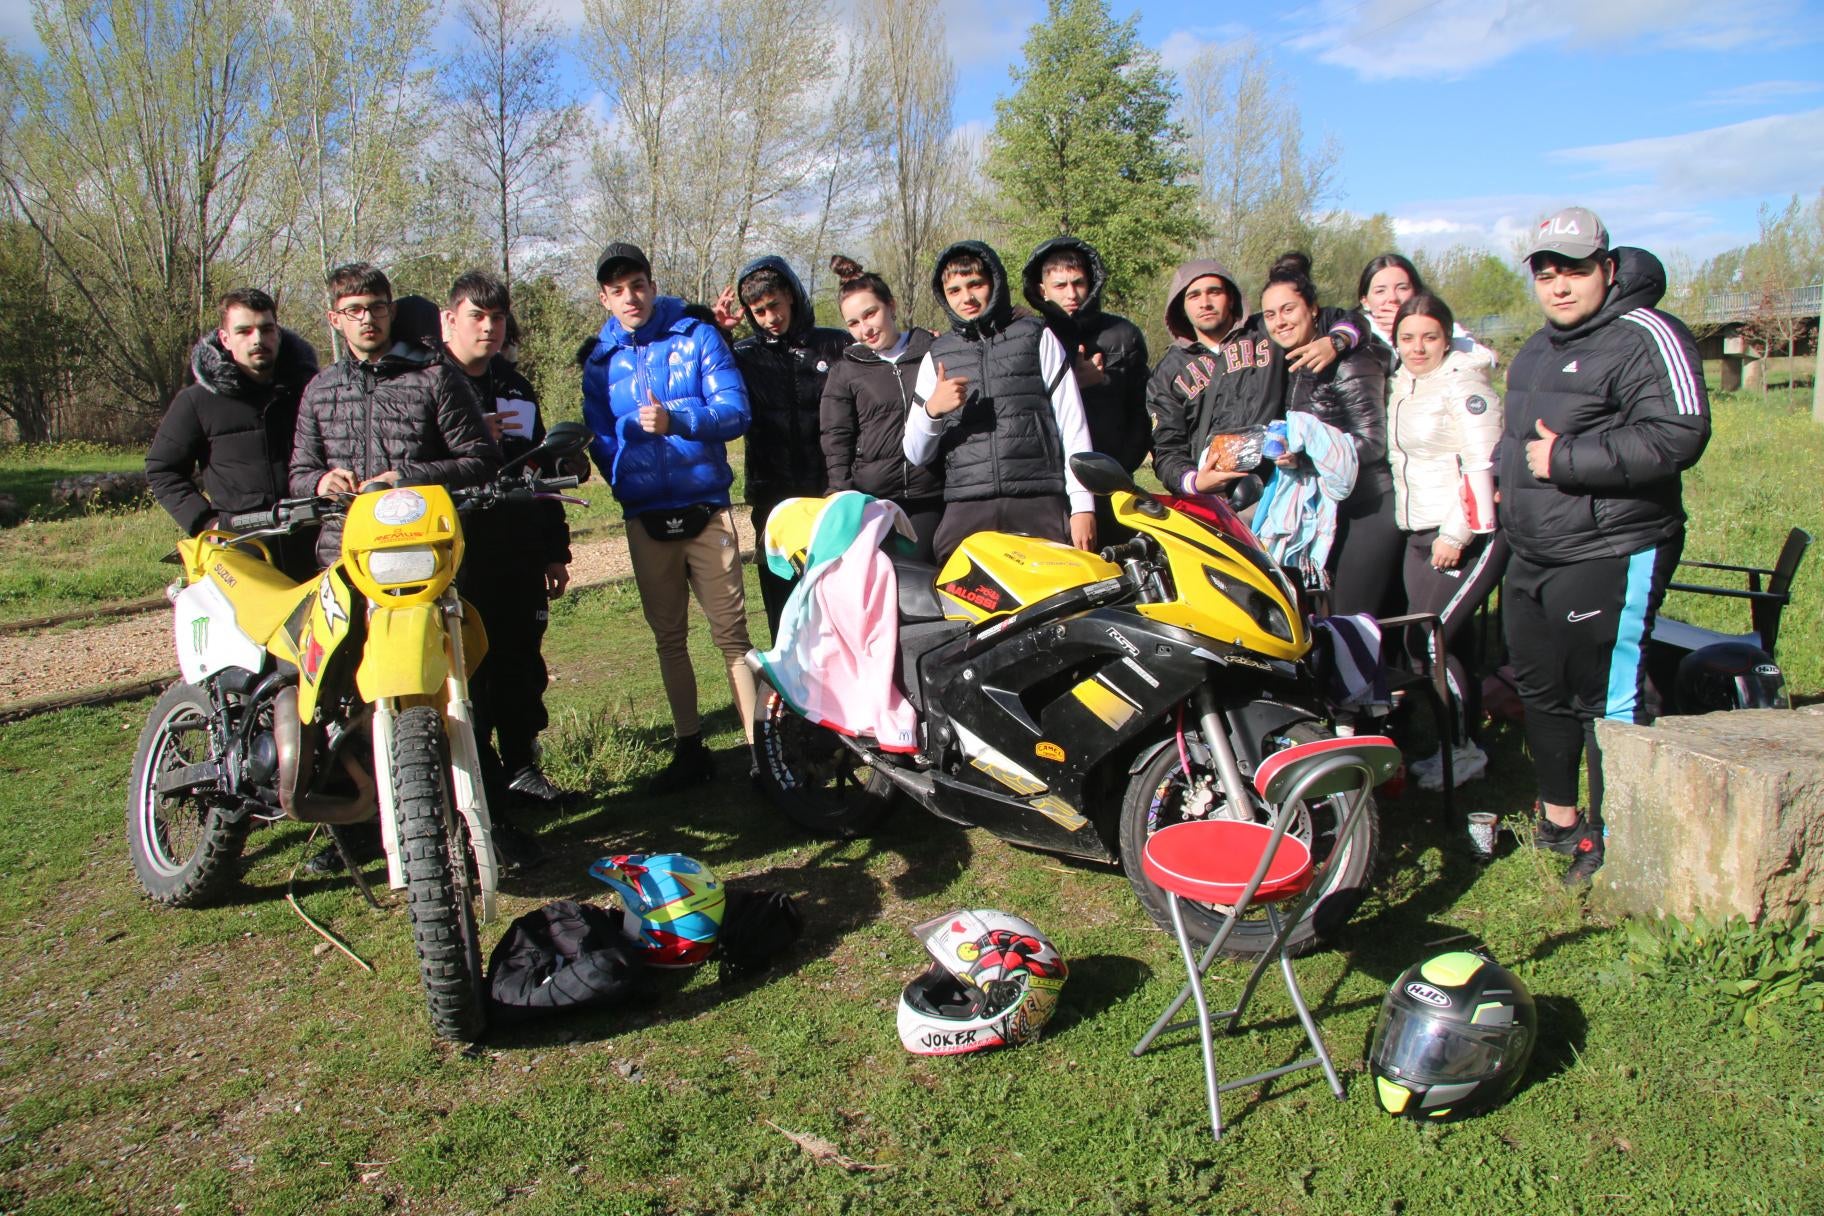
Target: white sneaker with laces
1467, 761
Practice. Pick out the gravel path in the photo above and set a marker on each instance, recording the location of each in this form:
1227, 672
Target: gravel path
73, 657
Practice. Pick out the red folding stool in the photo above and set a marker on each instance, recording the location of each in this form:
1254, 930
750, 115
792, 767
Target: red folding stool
1237, 864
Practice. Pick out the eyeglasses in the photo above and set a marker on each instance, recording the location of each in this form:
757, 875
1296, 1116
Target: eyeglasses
355, 312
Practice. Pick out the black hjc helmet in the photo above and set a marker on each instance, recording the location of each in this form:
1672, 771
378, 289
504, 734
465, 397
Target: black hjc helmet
1729, 675
1453, 1039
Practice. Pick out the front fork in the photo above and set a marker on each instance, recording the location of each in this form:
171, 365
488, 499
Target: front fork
1222, 751
466, 789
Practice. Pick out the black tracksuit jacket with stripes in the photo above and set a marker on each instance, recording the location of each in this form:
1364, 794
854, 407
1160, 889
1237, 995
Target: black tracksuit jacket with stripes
1625, 393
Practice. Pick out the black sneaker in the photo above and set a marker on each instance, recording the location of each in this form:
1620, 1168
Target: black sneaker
517, 848
534, 787
690, 765
1581, 842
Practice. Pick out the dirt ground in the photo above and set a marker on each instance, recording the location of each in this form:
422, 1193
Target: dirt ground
73, 657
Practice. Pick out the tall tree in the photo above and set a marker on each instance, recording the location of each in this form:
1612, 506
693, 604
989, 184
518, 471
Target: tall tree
511, 119
1476, 283
1086, 145
1260, 188
910, 84
144, 136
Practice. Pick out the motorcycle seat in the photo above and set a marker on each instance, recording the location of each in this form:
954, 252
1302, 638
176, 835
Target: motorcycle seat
917, 590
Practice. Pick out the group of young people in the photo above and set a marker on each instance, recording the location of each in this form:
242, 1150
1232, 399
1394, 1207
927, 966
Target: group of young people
1387, 409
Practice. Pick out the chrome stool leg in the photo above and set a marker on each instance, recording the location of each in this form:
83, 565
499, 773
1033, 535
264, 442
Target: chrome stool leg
1212, 1089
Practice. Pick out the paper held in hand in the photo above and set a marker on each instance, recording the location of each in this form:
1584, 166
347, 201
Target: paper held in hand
515, 415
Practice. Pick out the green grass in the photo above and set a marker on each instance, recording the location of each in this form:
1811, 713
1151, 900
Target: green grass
150, 1058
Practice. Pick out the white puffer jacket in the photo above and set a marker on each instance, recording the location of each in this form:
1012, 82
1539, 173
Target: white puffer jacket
1437, 425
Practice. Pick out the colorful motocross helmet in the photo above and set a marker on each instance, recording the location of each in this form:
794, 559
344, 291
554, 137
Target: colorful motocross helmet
994, 981
674, 905
1453, 1039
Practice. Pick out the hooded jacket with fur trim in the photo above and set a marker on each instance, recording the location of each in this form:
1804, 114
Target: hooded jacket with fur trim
1624, 391
1116, 408
784, 378
232, 429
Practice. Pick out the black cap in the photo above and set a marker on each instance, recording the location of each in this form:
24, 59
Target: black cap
617, 257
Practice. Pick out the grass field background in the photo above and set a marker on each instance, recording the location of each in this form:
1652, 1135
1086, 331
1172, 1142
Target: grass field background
214, 1059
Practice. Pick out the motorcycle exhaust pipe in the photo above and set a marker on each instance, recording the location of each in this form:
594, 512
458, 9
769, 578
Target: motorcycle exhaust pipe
298, 748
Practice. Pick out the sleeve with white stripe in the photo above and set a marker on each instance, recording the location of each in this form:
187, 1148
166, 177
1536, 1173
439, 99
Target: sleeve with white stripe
1663, 414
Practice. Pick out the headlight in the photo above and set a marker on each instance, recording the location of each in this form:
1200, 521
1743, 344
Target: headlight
1254, 602
415, 564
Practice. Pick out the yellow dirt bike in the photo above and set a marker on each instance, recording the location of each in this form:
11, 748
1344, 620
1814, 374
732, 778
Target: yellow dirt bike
335, 701
1076, 703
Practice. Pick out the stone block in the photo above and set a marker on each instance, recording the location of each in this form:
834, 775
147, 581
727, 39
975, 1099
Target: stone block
1721, 813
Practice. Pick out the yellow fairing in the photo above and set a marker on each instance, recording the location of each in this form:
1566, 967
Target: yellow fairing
263, 597
404, 518
405, 653
326, 627
994, 573
1194, 554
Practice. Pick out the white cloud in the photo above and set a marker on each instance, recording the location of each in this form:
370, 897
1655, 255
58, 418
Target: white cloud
1762, 91
1180, 48
1634, 215
1778, 155
1395, 39
17, 31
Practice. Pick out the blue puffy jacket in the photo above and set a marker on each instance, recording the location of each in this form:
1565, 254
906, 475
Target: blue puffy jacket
684, 363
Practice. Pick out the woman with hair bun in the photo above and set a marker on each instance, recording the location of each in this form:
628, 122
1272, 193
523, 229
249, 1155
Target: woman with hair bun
1350, 395
1443, 421
865, 402
1387, 282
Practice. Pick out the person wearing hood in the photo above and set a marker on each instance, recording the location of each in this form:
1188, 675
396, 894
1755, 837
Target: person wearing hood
1606, 408
783, 363
663, 396
234, 426
867, 399
1064, 279
998, 405
1223, 374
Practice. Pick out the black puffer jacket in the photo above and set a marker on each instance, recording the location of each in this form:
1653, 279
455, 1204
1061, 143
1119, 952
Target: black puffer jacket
408, 410
865, 403
784, 378
1004, 441
235, 430
1351, 395
1625, 391
529, 535
1116, 408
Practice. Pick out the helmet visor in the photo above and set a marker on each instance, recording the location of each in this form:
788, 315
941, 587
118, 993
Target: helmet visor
1417, 1045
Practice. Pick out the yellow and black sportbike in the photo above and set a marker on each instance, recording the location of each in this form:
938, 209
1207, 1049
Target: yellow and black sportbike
335, 701
1076, 703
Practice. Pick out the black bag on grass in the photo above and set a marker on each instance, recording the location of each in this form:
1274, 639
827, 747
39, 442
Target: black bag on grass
563, 956
756, 926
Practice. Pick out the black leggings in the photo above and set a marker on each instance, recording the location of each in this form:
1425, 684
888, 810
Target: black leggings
1365, 560
1576, 635
1454, 595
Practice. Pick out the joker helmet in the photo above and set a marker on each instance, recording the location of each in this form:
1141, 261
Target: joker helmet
1453, 1039
674, 905
993, 981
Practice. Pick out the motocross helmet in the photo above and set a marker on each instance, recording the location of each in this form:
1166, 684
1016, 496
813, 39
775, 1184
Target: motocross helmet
674, 905
1453, 1039
1729, 675
994, 981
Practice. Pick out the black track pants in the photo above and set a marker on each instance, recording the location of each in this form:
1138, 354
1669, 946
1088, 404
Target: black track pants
1365, 560
1577, 636
1454, 595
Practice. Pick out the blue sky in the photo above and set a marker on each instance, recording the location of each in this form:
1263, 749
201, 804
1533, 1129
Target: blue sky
1465, 120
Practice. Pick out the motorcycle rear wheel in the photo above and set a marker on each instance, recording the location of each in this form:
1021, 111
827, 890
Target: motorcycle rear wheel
812, 777
183, 847
1156, 799
439, 893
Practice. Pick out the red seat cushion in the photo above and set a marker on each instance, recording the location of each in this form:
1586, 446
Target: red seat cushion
1212, 860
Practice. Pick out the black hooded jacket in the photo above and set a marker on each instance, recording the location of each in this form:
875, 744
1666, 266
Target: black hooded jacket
408, 411
235, 430
865, 403
784, 378
1198, 391
1115, 408
1625, 393
532, 535
1004, 442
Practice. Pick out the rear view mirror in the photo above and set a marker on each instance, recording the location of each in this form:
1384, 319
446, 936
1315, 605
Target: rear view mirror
566, 439
1101, 475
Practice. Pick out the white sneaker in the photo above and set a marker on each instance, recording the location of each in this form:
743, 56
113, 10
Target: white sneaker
1467, 762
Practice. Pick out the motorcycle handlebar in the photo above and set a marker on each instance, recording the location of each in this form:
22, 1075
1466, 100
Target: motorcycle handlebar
1125, 551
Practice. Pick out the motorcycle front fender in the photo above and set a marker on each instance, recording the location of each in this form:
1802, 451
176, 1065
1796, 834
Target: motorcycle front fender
405, 654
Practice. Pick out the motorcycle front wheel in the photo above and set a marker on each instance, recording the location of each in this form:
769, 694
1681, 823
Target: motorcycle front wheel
815, 779
183, 847
1163, 793
439, 893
